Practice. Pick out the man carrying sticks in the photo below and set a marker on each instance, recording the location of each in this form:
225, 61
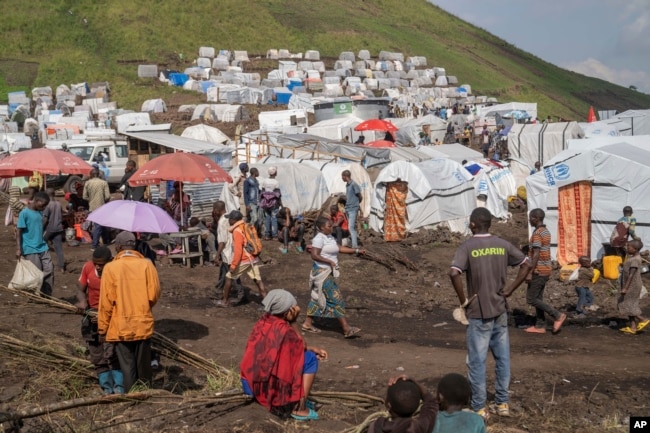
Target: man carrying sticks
129, 289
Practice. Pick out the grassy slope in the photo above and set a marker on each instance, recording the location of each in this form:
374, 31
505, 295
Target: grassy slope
120, 34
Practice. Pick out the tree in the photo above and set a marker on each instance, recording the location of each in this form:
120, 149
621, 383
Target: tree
633, 87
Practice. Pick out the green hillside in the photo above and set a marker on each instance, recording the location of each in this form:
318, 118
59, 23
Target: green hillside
66, 41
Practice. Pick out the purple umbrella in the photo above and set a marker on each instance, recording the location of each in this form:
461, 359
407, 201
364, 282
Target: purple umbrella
133, 216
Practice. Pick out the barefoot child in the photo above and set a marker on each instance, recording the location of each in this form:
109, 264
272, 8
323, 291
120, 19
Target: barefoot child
402, 400
583, 284
453, 396
628, 303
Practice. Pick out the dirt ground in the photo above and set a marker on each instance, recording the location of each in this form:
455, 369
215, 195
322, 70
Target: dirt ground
588, 378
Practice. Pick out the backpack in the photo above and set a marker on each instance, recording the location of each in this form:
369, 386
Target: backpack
269, 200
253, 244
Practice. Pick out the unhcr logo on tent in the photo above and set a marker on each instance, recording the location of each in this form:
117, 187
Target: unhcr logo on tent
556, 173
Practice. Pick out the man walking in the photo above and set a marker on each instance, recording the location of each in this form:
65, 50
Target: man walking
30, 243
539, 253
97, 193
485, 259
352, 205
242, 262
135, 193
53, 227
129, 289
224, 247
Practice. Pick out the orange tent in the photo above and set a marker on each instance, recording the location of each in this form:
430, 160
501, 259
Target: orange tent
591, 117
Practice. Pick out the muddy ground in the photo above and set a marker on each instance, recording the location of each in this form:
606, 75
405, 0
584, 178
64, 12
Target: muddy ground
589, 378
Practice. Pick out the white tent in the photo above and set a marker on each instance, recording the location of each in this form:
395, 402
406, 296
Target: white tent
618, 174
532, 142
205, 133
493, 184
454, 151
220, 112
492, 110
303, 187
154, 106
337, 128
638, 120
335, 184
410, 128
642, 141
440, 190
609, 127
289, 121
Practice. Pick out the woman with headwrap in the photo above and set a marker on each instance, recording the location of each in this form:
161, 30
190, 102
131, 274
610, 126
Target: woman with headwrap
278, 368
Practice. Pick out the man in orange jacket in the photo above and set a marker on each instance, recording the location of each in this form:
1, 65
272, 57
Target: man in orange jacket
129, 289
242, 261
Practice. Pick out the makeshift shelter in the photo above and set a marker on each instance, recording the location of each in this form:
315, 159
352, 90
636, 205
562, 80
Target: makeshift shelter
205, 133
439, 190
154, 106
220, 112
493, 184
410, 129
638, 120
583, 193
493, 110
609, 127
533, 142
303, 187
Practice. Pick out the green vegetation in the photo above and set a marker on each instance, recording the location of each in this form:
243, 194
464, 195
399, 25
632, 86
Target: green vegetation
104, 40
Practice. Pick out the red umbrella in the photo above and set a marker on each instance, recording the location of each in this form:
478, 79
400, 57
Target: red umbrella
380, 143
186, 167
376, 125
44, 161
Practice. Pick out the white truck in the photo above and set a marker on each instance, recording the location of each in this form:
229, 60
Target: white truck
109, 155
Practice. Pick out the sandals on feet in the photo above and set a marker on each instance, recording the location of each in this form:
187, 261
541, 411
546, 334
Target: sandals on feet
311, 329
628, 330
535, 330
352, 332
222, 304
313, 415
642, 325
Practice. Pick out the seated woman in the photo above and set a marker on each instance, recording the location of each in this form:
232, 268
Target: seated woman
339, 224
278, 368
290, 230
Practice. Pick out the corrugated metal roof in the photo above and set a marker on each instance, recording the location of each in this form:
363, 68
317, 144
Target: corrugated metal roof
184, 144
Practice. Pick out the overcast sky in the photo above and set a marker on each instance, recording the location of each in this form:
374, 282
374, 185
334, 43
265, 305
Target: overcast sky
608, 39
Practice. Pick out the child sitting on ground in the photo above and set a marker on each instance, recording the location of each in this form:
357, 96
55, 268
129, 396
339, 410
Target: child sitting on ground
453, 396
402, 400
583, 287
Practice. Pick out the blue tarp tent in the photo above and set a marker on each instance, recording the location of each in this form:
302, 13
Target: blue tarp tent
178, 79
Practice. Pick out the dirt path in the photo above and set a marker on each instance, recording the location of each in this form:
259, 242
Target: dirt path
589, 378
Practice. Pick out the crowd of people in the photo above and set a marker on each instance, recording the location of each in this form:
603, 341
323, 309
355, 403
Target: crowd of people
118, 291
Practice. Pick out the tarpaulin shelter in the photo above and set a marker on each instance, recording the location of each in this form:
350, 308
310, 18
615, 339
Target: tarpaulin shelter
533, 142
439, 190
583, 193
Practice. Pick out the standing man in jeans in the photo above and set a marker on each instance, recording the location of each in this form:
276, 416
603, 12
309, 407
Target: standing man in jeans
97, 193
539, 253
252, 198
485, 259
352, 204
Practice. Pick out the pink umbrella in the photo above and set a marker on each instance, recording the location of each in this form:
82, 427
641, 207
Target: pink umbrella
133, 216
